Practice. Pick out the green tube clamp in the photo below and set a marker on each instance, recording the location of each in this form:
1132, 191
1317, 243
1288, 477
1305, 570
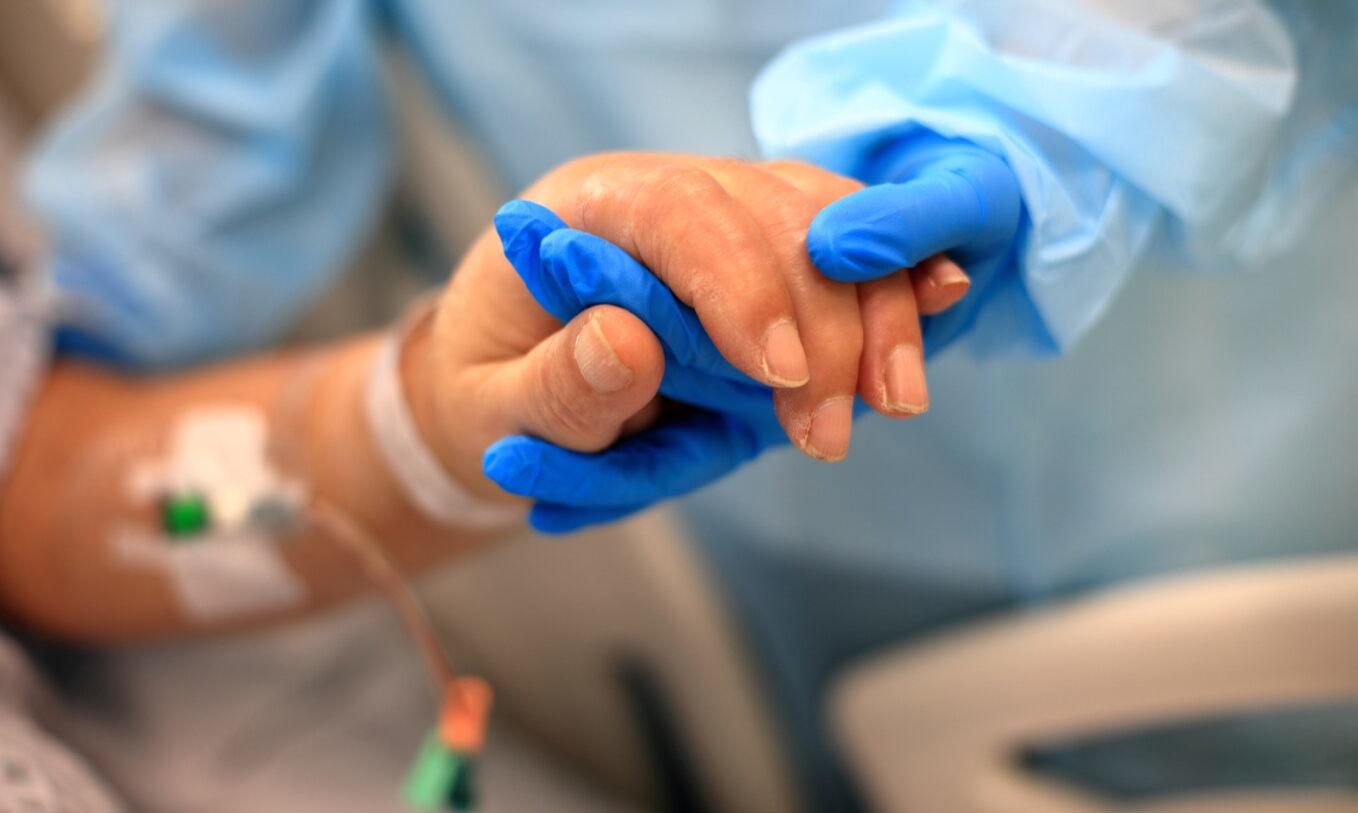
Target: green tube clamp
441, 779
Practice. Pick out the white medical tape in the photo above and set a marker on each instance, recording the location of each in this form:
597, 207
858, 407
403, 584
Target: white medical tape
218, 576
421, 477
219, 453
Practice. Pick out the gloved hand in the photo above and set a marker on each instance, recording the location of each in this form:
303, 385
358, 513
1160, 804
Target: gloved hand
931, 195
568, 272
727, 237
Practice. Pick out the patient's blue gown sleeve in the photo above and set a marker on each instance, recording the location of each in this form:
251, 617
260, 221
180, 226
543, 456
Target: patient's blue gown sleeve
213, 179
1168, 133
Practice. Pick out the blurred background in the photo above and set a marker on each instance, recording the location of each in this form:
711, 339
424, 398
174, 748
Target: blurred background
625, 668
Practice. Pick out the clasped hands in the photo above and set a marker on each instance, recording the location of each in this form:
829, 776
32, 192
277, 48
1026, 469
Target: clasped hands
638, 325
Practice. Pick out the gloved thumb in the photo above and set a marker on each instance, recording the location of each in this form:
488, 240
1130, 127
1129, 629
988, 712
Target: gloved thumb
581, 386
964, 202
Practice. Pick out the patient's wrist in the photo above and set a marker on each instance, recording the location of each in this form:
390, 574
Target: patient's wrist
419, 437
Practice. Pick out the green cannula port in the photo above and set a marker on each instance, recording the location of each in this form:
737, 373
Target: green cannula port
185, 514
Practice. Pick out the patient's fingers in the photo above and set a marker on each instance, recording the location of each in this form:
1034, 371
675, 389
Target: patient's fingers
818, 417
891, 375
679, 222
582, 385
891, 378
569, 271
592, 271
939, 284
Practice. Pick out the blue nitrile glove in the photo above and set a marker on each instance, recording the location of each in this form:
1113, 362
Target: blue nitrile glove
932, 196
568, 271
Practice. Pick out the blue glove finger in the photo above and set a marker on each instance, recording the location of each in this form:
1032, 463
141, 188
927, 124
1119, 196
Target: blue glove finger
667, 461
554, 518
568, 271
956, 198
748, 401
522, 225
600, 273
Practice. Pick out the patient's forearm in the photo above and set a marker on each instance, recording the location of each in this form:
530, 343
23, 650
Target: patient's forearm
65, 497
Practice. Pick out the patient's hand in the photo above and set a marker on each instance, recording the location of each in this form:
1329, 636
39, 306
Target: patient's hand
728, 238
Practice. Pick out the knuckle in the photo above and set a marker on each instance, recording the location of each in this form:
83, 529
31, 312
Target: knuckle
593, 194
678, 185
605, 185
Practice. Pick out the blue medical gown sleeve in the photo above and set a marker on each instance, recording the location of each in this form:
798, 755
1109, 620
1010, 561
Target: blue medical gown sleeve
1174, 134
214, 178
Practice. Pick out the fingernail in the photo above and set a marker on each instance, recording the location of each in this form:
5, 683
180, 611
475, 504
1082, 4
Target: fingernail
601, 367
906, 389
831, 425
947, 274
784, 357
